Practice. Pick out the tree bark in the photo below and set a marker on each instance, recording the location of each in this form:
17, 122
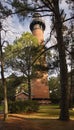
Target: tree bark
64, 113
3, 80
29, 87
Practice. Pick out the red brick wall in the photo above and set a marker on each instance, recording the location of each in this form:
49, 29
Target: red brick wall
21, 96
40, 88
39, 34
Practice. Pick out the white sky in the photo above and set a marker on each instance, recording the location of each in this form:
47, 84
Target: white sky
15, 28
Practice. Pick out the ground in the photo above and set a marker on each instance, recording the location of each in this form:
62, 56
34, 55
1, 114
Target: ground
24, 122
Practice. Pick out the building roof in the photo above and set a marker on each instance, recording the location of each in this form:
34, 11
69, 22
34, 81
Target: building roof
22, 92
37, 21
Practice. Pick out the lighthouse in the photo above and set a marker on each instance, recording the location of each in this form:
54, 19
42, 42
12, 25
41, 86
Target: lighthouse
37, 27
40, 89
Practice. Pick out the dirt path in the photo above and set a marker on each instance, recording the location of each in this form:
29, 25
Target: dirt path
21, 123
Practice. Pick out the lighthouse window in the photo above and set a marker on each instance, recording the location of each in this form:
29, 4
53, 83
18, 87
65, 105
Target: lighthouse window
37, 26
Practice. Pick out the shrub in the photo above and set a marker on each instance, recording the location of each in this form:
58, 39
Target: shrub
31, 106
23, 106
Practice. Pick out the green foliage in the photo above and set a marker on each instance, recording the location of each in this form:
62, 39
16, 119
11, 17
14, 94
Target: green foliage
31, 106
1, 108
55, 92
41, 67
12, 83
21, 54
23, 106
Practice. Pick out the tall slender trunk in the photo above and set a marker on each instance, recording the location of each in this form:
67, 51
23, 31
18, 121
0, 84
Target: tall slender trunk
29, 87
64, 113
29, 79
3, 81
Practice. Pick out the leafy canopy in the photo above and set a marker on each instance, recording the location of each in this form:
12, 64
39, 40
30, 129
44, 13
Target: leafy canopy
21, 54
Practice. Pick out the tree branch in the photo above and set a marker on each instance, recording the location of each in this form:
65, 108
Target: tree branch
49, 5
68, 19
43, 53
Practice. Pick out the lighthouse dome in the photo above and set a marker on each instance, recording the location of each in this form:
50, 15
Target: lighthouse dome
37, 19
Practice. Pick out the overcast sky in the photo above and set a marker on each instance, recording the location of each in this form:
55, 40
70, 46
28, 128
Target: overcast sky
15, 28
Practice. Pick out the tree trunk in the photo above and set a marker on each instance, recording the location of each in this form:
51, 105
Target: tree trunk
5, 101
64, 113
29, 87
3, 81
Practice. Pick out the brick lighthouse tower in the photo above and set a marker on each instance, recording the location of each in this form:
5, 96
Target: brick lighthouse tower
37, 27
40, 89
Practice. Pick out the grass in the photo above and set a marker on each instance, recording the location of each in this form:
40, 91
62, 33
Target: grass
42, 120
71, 113
52, 111
1, 108
46, 111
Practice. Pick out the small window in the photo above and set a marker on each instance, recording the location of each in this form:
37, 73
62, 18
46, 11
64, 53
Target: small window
37, 26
